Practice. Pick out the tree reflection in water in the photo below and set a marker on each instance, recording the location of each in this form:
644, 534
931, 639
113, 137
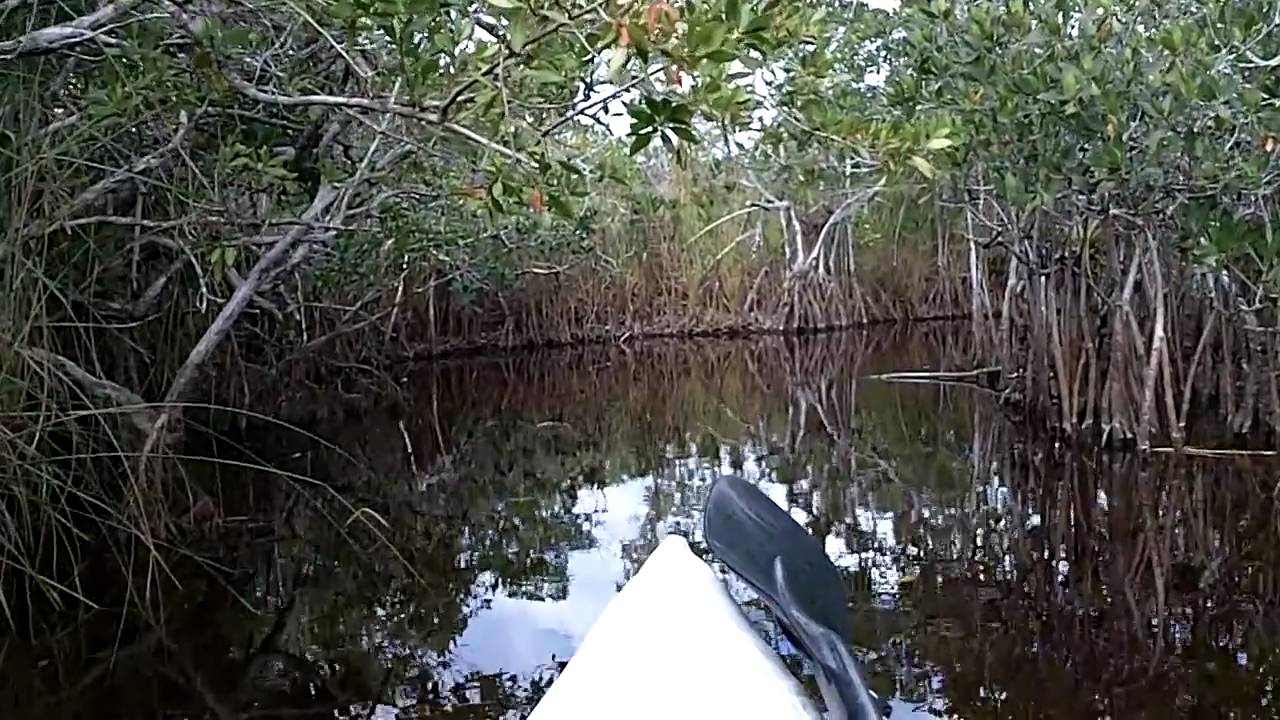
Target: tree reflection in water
503, 502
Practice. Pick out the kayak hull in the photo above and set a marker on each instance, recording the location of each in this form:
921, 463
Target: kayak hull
673, 644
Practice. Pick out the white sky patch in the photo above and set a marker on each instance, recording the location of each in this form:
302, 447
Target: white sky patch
519, 635
840, 555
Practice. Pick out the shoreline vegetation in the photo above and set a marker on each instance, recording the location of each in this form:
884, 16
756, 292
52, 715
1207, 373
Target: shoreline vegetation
495, 346
212, 206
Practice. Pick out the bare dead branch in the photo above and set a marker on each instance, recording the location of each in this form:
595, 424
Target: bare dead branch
145, 305
124, 220
350, 188
119, 396
61, 124
217, 331
736, 213
854, 202
488, 144
68, 34
236, 281
417, 112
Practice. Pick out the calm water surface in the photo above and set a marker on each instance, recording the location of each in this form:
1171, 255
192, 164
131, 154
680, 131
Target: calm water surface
497, 506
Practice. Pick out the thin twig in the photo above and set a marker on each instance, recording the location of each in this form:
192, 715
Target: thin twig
510, 54
602, 100
356, 65
488, 144
1214, 452
382, 105
928, 375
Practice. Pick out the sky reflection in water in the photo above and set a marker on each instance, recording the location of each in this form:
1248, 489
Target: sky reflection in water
520, 636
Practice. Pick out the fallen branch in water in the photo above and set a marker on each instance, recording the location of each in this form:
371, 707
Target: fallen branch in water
934, 376
1214, 452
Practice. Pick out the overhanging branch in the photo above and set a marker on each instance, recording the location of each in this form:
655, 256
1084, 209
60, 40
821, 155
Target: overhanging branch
221, 326
65, 35
419, 112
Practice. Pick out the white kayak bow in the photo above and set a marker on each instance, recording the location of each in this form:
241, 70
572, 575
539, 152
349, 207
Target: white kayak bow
674, 644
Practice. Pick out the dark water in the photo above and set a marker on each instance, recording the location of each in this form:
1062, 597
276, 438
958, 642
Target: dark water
456, 540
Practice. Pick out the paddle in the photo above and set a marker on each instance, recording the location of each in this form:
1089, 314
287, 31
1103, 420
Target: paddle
760, 542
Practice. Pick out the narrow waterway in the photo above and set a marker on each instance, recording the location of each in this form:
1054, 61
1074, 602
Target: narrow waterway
452, 546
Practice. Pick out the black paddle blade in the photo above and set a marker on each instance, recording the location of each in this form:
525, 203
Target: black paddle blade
760, 542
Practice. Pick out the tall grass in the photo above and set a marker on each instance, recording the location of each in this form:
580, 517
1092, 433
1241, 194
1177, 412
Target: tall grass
67, 499
691, 258
80, 527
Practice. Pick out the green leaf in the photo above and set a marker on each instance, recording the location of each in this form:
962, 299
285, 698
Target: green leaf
543, 75
570, 168
923, 166
1011, 186
519, 33
640, 142
939, 143
731, 9
758, 24
681, 114
640, 42
560, 206
342, 10
486, 100
1070, 82
641, 118
683, 132
506, 4
709, 37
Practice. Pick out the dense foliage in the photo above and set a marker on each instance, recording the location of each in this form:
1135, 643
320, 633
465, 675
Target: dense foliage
1111, 167
203, 197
